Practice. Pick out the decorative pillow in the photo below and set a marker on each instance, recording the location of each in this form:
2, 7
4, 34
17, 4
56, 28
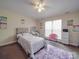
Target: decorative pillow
27, 34
19, 35
35, 33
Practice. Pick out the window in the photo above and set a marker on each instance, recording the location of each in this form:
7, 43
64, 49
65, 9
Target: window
48, 28
57, 28
53, 27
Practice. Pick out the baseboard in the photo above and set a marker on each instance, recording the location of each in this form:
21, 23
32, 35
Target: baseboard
8, 43
67, 44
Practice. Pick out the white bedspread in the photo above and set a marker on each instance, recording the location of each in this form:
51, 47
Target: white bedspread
30, 43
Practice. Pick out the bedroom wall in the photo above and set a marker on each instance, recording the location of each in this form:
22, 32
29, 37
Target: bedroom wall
73, 36
13, 21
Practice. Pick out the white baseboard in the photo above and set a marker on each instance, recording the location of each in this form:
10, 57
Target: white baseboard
7, 43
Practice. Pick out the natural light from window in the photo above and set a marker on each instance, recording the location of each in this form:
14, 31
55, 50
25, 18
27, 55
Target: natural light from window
54, 26
48, 28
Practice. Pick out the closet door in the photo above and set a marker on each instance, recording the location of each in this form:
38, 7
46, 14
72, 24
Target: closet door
74, 33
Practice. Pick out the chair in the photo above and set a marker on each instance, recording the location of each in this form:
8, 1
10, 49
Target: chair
52, 37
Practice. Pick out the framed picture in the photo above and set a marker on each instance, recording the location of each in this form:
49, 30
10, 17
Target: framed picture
76, 28
3, 22
22, 21
70, 22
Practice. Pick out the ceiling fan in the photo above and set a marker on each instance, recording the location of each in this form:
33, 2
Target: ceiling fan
39, 5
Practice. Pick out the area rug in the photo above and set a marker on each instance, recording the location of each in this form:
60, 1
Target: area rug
52, 52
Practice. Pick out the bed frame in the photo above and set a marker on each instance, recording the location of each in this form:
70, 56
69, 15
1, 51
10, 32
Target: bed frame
21, 30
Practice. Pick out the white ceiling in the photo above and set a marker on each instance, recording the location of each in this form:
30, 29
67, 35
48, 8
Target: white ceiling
55, 7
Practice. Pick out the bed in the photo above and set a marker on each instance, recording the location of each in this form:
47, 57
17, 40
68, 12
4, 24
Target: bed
31, 44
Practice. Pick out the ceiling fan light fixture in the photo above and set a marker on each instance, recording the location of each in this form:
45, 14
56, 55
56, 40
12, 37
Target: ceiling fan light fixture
39, 6
39, 10
37, 3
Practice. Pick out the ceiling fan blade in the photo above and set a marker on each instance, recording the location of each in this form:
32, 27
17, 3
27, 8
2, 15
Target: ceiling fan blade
47, 6
29, 2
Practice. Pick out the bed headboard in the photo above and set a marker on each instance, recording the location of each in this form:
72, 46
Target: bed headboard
21, 30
